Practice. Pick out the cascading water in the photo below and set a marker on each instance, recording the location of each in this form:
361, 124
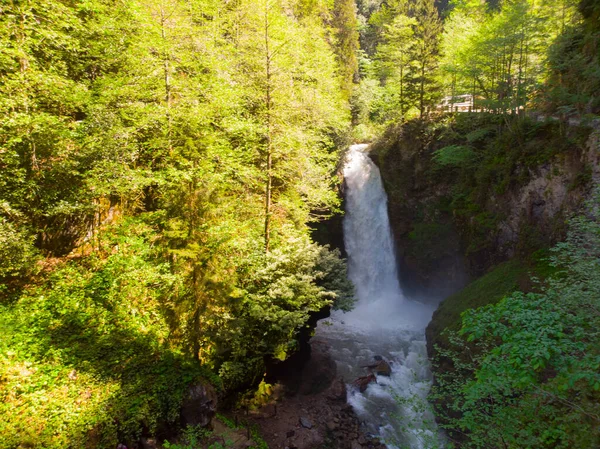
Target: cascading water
384, 322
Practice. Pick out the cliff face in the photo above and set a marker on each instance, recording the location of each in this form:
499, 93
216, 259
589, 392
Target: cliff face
505, 193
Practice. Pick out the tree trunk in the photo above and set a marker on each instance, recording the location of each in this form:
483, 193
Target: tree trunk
269, 144
166, 73
422, 87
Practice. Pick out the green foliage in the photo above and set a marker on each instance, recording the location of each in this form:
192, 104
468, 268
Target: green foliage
497, 55
455, 156
534, 381
398, 70
191, 438
86, 354
136, 146
346, 48
17, 255
575, 76
278, 292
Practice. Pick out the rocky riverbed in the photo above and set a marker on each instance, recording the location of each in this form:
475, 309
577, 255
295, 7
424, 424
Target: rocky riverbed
309, 409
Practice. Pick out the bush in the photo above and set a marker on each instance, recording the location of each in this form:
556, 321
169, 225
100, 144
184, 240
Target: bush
534, 377
17, 254
85, 356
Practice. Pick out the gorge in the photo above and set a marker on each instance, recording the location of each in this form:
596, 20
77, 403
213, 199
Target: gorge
173, 181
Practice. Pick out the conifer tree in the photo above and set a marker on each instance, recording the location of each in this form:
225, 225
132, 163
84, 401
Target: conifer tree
345, 24
394, 57
427, 34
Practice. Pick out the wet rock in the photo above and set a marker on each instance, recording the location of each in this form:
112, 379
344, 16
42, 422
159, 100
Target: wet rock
305, 422
199, 405
148, 443
363, 382
338, 390
380, 367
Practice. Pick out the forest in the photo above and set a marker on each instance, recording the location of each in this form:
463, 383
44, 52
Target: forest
167, 168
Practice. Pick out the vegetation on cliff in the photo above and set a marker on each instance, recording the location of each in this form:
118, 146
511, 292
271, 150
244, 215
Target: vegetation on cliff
486, 186
525, 371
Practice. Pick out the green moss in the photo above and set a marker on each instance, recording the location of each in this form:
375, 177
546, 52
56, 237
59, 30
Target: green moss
584, 178
488, 289
516, 274
430, 241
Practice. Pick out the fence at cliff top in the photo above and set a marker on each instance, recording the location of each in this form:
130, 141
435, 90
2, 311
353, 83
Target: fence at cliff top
466, 104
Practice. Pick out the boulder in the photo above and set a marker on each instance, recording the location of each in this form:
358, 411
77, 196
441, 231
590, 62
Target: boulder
337, 391
199, 405
380, 367
355, 445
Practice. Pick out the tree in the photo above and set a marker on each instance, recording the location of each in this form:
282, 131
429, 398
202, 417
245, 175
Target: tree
394, 58
345, 24
427, 32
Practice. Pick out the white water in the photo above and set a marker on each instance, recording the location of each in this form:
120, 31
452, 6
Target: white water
384, 322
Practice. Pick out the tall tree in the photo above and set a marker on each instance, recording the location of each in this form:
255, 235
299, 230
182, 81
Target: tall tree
394, 58
346, 30
427, 34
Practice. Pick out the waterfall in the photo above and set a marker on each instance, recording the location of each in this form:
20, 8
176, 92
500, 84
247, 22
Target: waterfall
367, 235
383, 322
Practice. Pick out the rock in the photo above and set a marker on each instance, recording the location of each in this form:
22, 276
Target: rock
338, 390
355, 445
336, 419
199, 405
331, 426
363, 382
305, 422
380, 367
148, 443
362, 440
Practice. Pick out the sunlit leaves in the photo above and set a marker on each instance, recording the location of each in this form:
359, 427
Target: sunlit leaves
534, 381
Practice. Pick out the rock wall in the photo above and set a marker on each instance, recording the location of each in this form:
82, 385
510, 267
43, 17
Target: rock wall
452, 224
